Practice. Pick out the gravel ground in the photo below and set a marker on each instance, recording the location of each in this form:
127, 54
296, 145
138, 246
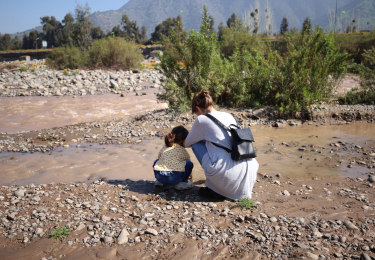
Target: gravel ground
312, 218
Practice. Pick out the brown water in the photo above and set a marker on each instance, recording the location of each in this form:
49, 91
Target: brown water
90, 162
34, 113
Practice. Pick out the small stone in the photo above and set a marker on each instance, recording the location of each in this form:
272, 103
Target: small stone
108, 240
105, 218
38, 231
36, 198
151, 231
286, 193
124, 237
273, 219
342, 239
371, 178
311, 255
300, 245
365, 256
365, 248
350, 225
80, 227
20, 193
181, 230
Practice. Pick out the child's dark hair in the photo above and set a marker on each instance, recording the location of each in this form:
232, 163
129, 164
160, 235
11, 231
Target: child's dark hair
176, 136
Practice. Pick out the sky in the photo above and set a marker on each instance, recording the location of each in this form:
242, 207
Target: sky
21, 15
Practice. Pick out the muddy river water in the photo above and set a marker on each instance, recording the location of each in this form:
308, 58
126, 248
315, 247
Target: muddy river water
93, 161
34, 113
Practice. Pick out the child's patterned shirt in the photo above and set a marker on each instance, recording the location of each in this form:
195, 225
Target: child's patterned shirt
172, 159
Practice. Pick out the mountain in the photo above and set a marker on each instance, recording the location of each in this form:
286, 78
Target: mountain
362, 11
152, 12
20, 34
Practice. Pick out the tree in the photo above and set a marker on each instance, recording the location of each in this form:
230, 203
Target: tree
284, 26
131, 30
143, 34
232, 20
5, 42
220, 30
25, 41
16, 43
33, 41
82, 26
162, 30
50, 29
97, 33
306, 26
116, 31
66, 32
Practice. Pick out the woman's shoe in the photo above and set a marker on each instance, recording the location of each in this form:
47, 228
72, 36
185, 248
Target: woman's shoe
158, 184
184, 186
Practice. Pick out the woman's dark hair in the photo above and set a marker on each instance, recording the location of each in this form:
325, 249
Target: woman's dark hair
177, 136
202, 100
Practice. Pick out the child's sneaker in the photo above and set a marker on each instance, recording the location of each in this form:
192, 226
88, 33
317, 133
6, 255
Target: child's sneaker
158, 184
184, 186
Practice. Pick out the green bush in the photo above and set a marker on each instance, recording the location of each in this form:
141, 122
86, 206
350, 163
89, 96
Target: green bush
66, 57
65, 73
307, 73
310, 71
191, 65
233, 39
22, 69
114, 51
356, 44
366, 93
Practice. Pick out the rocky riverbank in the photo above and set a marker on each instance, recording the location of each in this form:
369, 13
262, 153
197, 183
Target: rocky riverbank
38, 80
314, 219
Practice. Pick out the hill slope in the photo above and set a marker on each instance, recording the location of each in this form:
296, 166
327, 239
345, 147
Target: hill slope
152, 12
362, 11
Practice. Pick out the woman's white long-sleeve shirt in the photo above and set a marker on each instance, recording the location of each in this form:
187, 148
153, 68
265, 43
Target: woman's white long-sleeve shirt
232, 179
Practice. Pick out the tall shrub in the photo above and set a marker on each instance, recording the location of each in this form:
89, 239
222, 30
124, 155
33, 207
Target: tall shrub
307, 72
191, 65
114, 51
65, 57
312, 68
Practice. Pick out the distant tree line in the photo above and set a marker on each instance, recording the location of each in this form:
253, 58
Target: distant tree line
78, 30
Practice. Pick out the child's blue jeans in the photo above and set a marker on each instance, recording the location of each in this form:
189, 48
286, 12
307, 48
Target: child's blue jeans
173, 177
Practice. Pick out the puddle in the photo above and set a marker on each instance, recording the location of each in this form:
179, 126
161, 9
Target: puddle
96, 161
34, 113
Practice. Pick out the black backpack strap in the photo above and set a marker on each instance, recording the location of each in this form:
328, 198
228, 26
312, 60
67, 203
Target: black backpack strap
217, 122
222, 126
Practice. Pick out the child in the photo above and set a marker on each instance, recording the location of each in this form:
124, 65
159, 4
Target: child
174, 166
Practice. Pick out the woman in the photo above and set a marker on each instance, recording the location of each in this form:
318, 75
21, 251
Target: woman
224, 177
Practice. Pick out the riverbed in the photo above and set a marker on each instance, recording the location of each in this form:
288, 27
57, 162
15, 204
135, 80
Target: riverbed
279, 152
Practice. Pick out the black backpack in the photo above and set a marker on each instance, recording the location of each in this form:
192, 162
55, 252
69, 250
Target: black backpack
242, 146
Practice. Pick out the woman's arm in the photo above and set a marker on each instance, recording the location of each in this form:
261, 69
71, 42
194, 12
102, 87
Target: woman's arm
195, 135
